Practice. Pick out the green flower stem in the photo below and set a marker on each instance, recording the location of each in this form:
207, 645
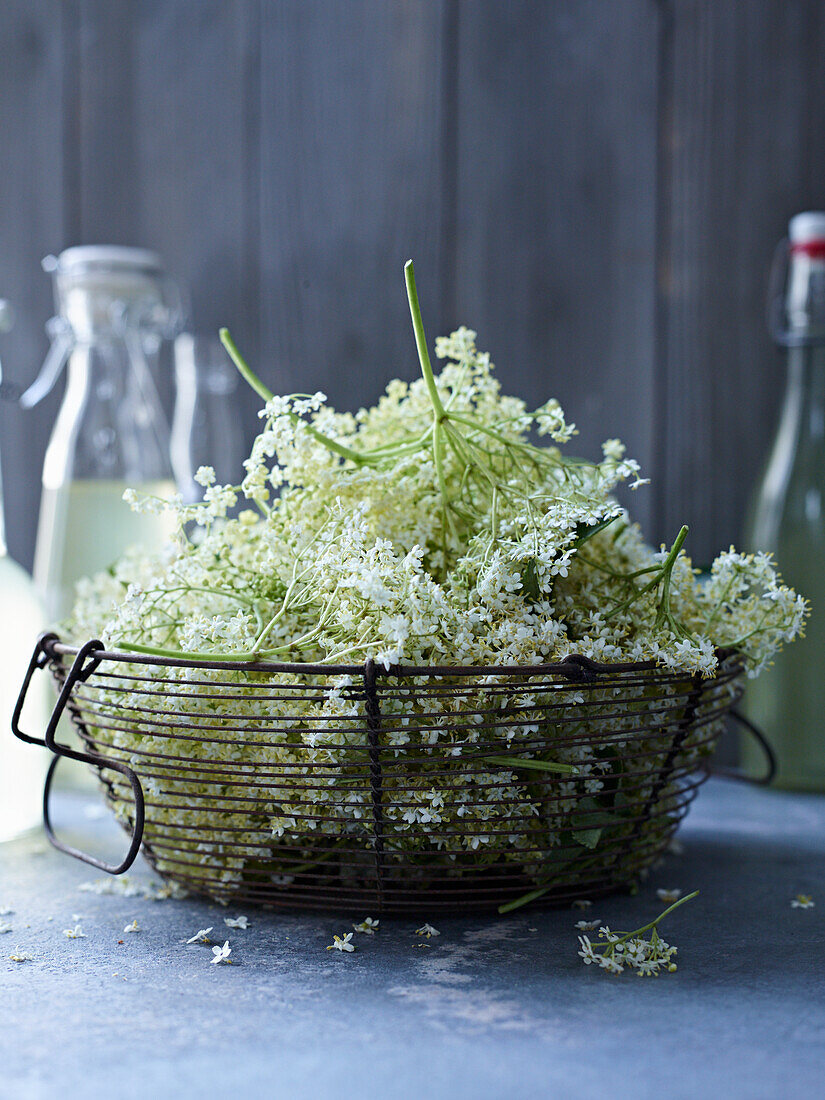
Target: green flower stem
611, 947
257, 385
663, 615
525, 899
421, 340
540, 891
663, 575
243, 367
514, 763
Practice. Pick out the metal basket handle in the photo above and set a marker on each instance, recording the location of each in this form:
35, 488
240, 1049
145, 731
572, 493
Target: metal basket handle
84, 665
764, 744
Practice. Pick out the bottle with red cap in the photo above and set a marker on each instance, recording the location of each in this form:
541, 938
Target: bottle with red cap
787, 516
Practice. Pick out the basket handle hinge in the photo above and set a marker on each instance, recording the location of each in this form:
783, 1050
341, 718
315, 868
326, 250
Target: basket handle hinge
82, 668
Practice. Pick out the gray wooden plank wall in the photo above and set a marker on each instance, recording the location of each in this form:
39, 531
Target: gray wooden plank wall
595, 187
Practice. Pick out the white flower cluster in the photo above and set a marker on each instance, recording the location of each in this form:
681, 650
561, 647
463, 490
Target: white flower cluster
614, 953
427, 530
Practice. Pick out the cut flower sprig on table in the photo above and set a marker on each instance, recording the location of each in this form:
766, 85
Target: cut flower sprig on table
429, 530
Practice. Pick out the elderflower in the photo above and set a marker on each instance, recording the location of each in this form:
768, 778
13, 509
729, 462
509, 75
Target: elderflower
221, 954
19, 956
201, 936
236, 922
668, 896
133, 927
587, 925
368, 926
341, 943
75, 933
5, 927
802, 901
427, 930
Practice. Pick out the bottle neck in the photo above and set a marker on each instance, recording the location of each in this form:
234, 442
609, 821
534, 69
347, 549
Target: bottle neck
805, 394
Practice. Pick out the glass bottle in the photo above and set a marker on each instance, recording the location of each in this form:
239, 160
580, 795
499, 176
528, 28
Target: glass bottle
787, 518
114, 309
206, 429
22, 767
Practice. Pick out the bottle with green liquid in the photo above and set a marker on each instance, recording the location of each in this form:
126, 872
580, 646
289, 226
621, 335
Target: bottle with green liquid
787, 518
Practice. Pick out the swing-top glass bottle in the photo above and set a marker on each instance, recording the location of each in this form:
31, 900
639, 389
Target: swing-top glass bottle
787, 516
115, 307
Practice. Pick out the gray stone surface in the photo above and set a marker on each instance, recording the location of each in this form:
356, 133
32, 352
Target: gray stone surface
499, 1007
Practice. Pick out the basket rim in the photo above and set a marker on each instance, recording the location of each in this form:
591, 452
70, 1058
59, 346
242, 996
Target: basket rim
574, 667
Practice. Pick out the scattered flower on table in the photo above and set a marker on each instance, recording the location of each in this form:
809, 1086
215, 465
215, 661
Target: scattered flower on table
803, 901
341, 943
75, 933
221, 954
427, 930
19, 956
236, 922
368, 926
582, 903
5, 911
123, 886
422, 945
201, 936
5, 927
133, 927
587, 925
616, 952
668, 896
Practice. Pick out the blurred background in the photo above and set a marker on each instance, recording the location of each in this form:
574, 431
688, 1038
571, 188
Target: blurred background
595, 187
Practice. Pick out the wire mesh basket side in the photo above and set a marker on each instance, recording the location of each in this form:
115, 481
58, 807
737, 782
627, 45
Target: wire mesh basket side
436, 789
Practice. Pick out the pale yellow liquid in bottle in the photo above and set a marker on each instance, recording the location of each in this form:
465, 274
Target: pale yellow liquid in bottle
787, 701
22, 766
84, 528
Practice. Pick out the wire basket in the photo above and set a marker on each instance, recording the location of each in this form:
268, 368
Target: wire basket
413, 790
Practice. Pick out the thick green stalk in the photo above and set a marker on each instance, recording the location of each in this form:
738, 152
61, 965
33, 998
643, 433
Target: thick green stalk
421, 340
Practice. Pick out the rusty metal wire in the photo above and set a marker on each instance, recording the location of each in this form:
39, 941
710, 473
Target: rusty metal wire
201, 761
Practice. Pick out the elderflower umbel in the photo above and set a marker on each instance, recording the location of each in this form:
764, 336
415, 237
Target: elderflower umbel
341, 943
368, 926
617, 951
221, 954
